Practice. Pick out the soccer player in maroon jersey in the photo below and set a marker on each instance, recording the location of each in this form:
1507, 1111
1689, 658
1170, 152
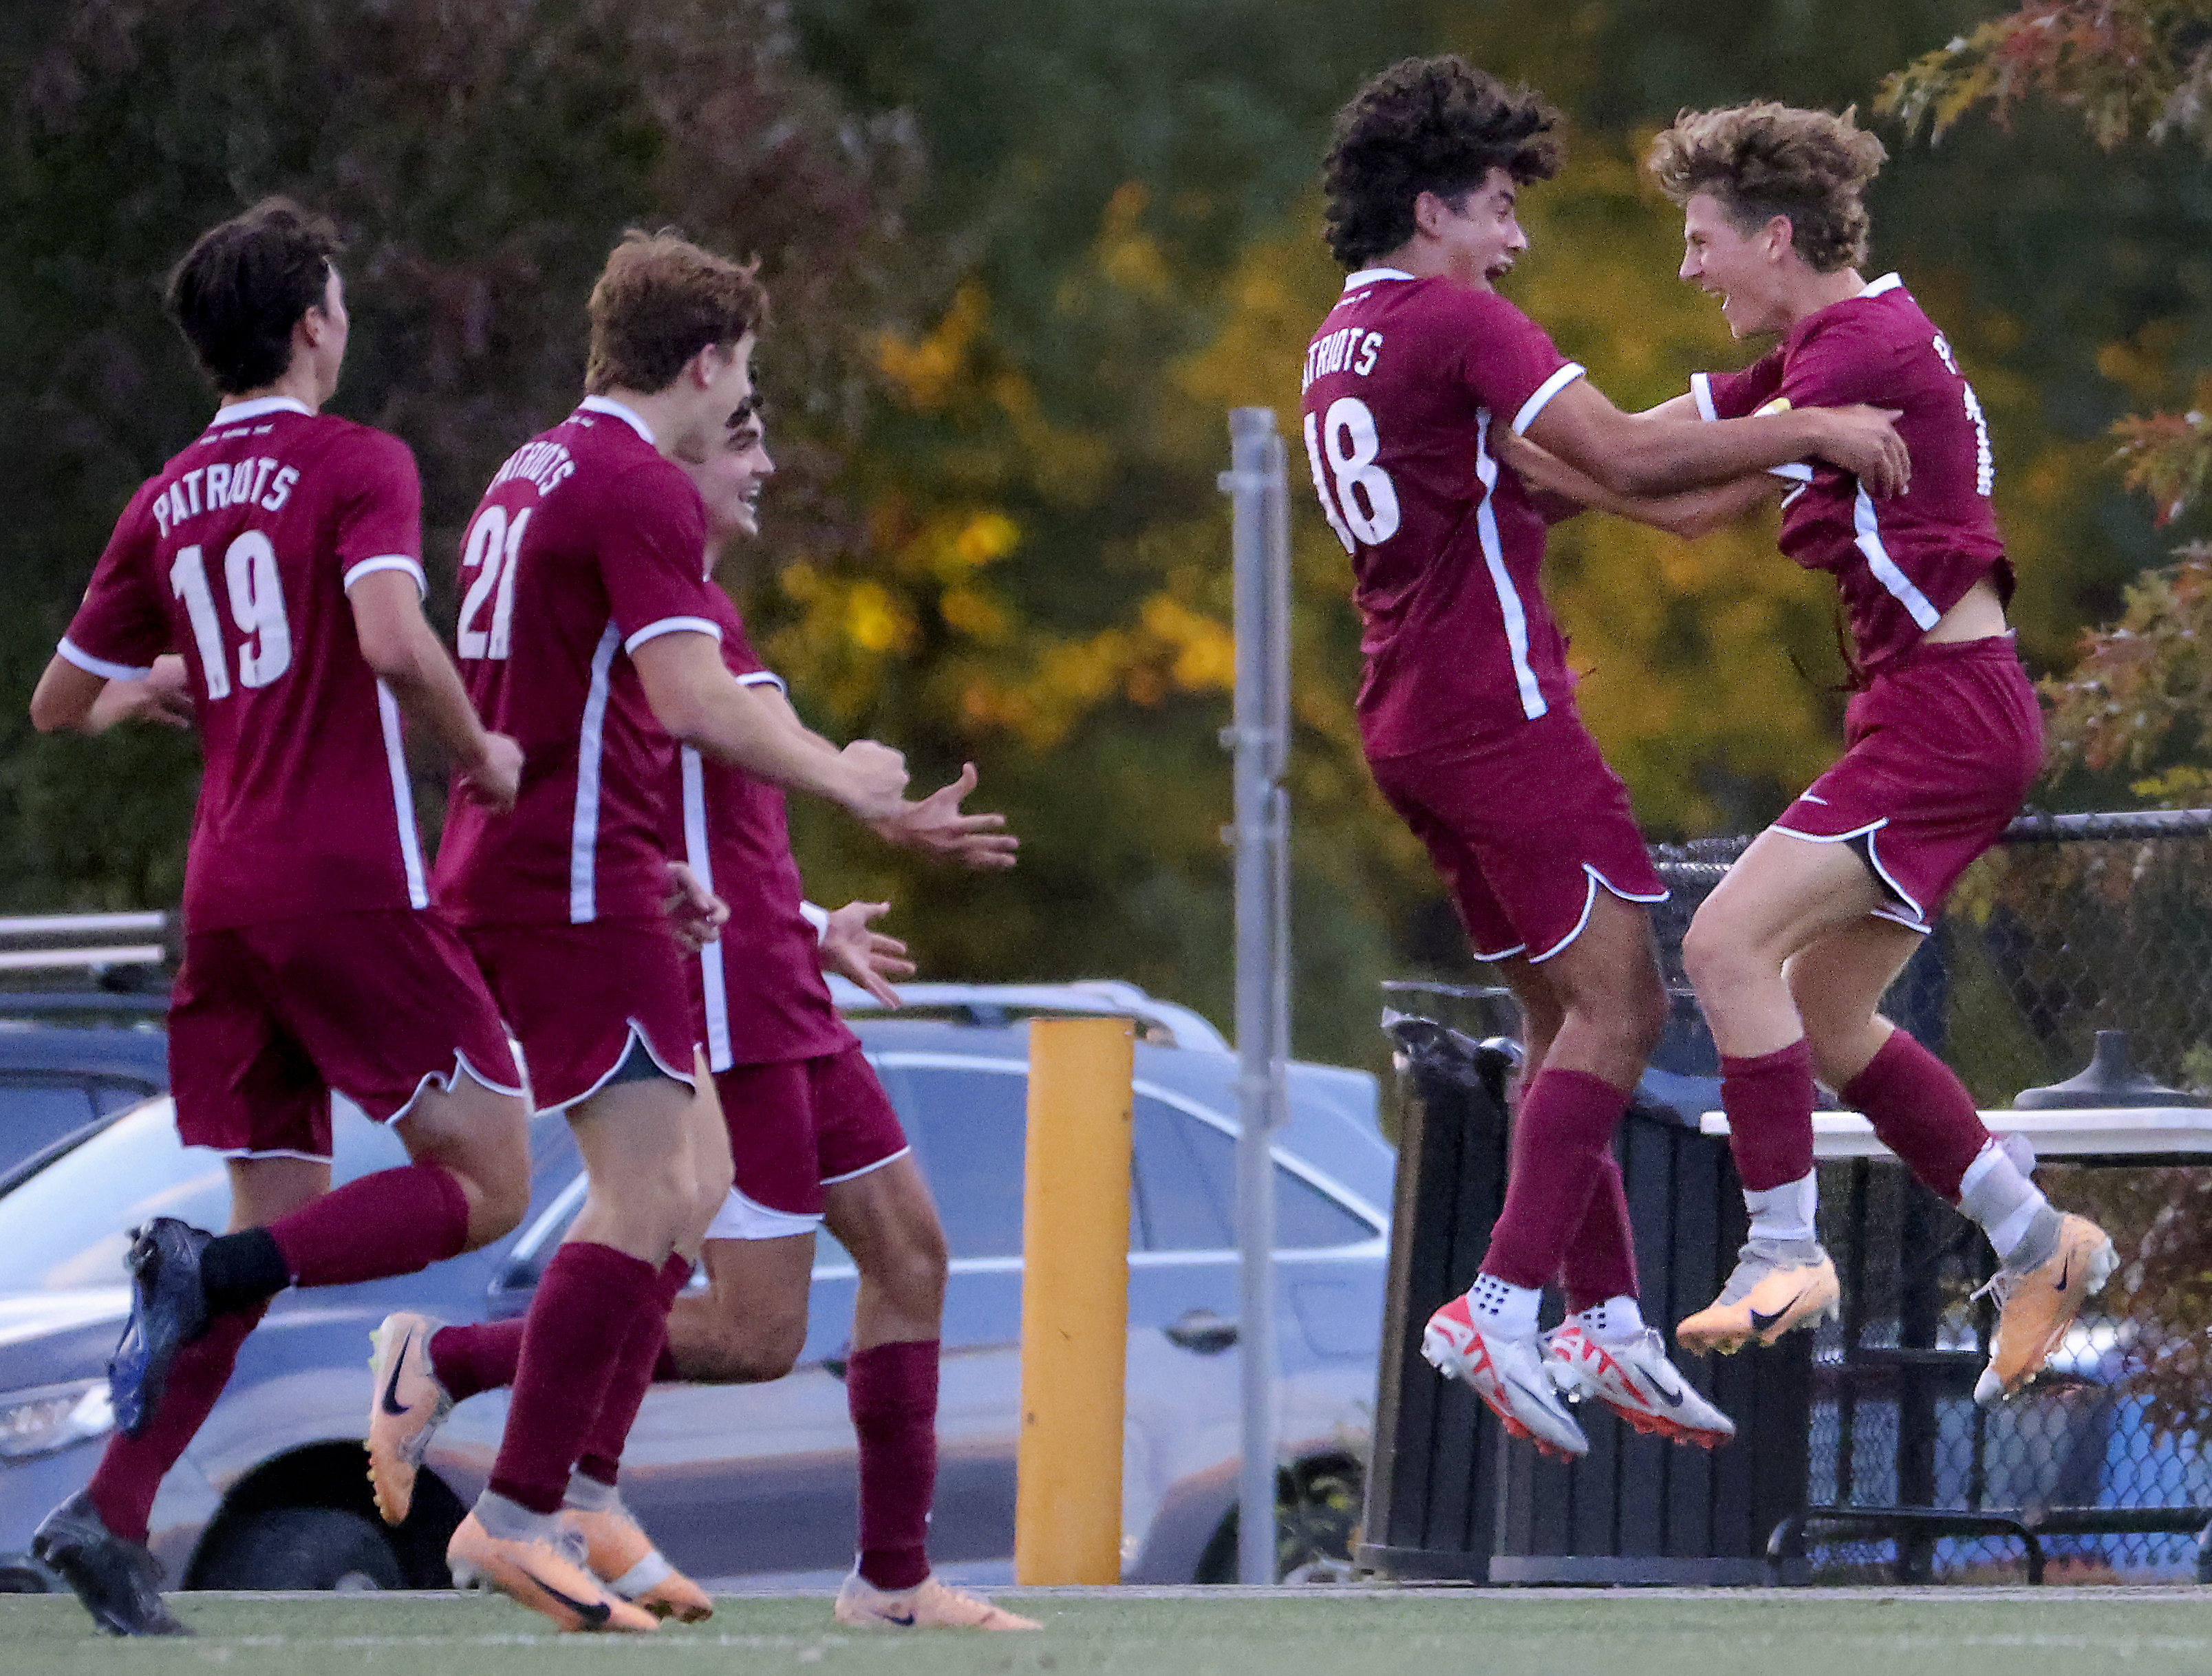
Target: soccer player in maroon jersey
815, 1140
281, 553
1411, 385
1791, 954
588, 630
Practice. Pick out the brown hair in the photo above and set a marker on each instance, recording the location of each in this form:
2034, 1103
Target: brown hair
244, 285
1763, 160
1427, 126
660, 301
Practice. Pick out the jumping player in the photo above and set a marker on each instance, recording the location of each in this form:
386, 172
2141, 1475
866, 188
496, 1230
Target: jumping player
1791, 954
587, 629
281, 553
815, 1140
1467, 709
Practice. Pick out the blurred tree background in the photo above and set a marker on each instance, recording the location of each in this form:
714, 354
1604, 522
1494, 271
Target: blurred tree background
1025, 256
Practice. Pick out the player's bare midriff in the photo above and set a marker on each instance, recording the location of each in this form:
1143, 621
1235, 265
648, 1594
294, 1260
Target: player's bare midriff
1978, 617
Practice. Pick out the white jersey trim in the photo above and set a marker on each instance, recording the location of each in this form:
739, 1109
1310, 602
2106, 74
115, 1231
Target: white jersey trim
1911, 915
74, 653
866, 1169
1590, 901
744, 1218
1369, 276
1901, 586
402, 797
1542, 399
674, 625
615, 409
390, 561
817, 916
1888, 282
239, 412
712, 985
1701, 387
1533, 703
584, 833
764, 677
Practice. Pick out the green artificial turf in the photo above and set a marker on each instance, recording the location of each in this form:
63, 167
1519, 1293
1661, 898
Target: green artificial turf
1614, 1634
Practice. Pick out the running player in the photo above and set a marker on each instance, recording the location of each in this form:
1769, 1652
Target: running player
1467, 710
815, 1140
587, 628
281, 553
1791, 954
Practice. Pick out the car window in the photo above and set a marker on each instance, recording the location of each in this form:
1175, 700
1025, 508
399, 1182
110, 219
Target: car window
38, 1111
114, 1096
1188, 1168
69, 1225
967, 1127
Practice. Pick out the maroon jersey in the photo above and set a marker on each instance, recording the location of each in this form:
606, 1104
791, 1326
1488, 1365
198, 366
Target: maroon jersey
763, 1000
1900, 563
1406, 384
586, 546
238, 555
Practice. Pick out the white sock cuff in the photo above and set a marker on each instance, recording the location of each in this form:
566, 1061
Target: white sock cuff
588, 1495
1510, 1309
1787, 1213
1984, 1161
1616, 1318
652, 1570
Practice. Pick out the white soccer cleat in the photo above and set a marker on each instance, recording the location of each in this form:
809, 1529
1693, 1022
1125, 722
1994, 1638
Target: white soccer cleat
1634, 1379
1509, 1374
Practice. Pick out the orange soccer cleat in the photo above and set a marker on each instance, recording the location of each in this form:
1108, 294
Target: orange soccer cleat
622, 1557
2039, 1301
930, 1605
542, 1576
406, 1405
1776, 1285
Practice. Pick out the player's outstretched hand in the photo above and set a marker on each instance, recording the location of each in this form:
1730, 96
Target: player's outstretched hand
852, 949
1864, 443
935, 826
875, 779
695, 915
160, 696
499, 776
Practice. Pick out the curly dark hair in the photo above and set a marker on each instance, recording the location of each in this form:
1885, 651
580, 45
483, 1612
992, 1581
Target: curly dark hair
1427, 126
1757, 161
244, 285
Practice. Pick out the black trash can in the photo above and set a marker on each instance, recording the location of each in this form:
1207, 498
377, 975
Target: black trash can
1448, 1495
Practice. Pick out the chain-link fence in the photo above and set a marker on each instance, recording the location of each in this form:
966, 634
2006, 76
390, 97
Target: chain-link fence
2075, 924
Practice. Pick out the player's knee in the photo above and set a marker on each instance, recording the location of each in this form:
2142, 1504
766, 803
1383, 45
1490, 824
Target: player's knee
910, 1269
751, 1349
1715, 958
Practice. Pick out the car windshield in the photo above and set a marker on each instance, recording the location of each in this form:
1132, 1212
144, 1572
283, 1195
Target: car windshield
69, 1225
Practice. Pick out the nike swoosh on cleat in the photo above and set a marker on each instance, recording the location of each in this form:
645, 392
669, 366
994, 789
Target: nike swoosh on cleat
1526, 1391
392, 1405
1672, 1399
594, 1615
1761, 1321
905, 1623
2065, 1269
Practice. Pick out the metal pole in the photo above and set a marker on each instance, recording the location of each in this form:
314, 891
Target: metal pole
1260, 738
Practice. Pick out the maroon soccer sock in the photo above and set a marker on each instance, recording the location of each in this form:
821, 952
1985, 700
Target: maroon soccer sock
1769, 1101
481, 1356
633, 1377
587, 1304
395, 1222
1564, 1128
1920, 1111
1600, 1257
132, 1469
891, 1390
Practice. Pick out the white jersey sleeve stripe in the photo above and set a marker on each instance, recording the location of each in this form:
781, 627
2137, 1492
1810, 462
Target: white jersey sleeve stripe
1701, 387
1493, 557
402, 797
674, 625
764, 677
391, 562
1917, 603
99, 666
1542, 399
584, 834
699, 857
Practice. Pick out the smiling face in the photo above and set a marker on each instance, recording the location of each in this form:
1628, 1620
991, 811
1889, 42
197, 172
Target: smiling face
1478, 237
1749, 272
730, 478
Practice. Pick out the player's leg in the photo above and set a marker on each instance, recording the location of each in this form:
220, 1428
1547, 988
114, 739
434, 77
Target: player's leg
2050, 1262
1785, 893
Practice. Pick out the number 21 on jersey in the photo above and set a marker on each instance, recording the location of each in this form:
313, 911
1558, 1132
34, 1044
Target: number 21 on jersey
1357, 495
492, 545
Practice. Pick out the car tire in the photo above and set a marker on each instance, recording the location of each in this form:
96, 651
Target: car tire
303, 1548
1318, 1507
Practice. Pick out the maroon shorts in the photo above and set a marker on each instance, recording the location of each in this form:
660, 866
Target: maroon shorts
266, 1020
796, 1127
1524, 825
576, 996
1938, 755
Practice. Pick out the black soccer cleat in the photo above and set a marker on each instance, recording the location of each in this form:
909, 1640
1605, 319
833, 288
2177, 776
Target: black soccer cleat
168, 1311
118, 1580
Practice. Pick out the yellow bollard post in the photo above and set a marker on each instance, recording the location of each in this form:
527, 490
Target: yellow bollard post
1075, 1301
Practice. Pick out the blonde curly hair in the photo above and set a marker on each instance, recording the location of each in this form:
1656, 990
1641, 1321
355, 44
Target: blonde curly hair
1767, 160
